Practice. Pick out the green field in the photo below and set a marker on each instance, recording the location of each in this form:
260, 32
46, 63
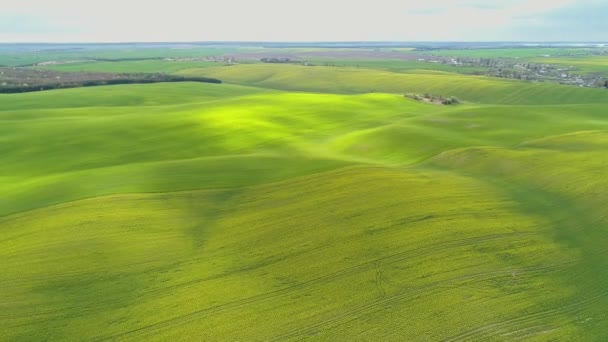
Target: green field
395, 65
145, 66
22, 58
587, 64
530, 52
304, 203
582, 60
479, 89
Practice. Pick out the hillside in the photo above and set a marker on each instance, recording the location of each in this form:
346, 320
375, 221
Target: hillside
296, 202
479, 89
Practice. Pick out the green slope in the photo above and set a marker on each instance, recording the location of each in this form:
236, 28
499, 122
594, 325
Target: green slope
250, 133
120, 96
373, 252
478, 89
224, 212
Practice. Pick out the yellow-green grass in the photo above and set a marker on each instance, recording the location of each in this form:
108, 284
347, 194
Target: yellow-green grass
417, 138
132, 96
569, 168
223, 212
375, 253
563, 178
23, 193
174, 138
478, 89
184, 137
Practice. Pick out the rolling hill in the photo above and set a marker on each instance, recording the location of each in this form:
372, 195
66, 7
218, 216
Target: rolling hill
296, 202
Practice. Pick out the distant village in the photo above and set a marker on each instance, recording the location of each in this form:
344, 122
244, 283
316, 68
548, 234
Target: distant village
514, 69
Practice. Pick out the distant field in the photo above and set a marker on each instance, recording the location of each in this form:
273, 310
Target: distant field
15, 58
131, 66
357, 80
304, 203
587, 64
510, 52
396, 65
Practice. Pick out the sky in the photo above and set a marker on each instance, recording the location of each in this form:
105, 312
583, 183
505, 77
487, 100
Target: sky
303, 20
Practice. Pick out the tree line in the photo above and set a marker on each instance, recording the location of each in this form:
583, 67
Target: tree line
138, 79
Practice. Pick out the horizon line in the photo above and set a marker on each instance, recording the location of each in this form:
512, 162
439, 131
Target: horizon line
314, 42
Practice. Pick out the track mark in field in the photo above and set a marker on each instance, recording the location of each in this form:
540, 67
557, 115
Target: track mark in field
516, 323
162, 290
127, 267
379, 279
404, 294
357, 269
85, 308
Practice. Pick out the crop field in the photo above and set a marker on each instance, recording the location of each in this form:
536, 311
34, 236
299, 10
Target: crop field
25, 57
588, 64
529, 52
296, 202
143, 66
478, 89
395, 65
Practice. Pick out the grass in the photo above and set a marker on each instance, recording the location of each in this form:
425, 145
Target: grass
109, 98
291, 203
479, 89
193, 140
354, 235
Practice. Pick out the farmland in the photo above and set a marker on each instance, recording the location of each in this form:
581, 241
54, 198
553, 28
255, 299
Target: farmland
139, 66
295, 202
588, 64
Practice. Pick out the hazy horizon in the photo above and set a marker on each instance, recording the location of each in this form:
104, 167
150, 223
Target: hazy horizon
113, 21
200, 42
